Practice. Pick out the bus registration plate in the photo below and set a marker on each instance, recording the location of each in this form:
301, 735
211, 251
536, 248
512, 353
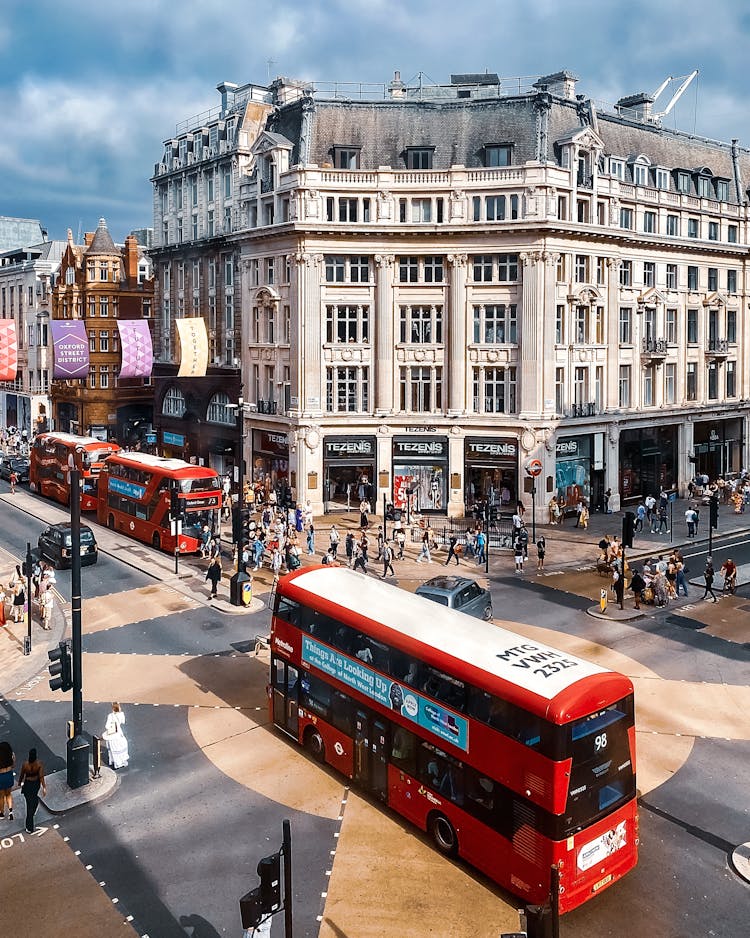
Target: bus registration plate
602, 883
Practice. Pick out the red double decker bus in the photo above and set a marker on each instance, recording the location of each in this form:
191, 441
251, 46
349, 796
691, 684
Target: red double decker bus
135, 497
52, 457
511, 754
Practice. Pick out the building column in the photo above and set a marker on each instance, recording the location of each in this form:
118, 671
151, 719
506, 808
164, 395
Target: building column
612, 399
701, 390
549, 360
455, 321
309, 316
531, 350
384, 334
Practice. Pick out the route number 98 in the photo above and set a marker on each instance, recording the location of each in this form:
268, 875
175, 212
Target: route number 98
600, 742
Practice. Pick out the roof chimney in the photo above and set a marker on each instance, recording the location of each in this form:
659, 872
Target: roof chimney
397, 89
225, 89
562, 84
131, 258
637, 107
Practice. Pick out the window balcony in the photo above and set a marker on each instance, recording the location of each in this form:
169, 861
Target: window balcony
588, 409
266, 407
654, 349
717, 348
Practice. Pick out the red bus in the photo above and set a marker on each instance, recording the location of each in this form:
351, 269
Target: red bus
510, 754
52, 457
135, 495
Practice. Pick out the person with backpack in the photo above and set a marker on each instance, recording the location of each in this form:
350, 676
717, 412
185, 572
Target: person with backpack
708, 576
349, 546
452, 550
387, 558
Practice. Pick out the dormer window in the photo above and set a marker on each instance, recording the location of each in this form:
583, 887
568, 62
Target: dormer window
683, 182
722, 190
498, 154
639, 167
419, 157
616, 167
346, 157
661, 178
704, 187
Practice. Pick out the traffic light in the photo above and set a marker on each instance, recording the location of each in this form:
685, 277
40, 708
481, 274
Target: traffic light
264, 899
177, 505
493, 514
628, 528
60, 667
245, 524
713, 509
236, 524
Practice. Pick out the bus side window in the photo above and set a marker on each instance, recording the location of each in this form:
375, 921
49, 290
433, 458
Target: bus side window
342, 712
441, 773
403, 750
480, 791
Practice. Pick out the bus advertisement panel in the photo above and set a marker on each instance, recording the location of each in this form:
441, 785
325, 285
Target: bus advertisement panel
136, 492
53, 455
510, 753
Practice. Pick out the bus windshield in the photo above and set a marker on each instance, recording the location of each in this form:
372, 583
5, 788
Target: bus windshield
602, 773
202, 484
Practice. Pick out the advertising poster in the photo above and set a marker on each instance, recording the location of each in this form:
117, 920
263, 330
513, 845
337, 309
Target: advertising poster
137, 349
193, 347
8, 351
71, 348
396, 696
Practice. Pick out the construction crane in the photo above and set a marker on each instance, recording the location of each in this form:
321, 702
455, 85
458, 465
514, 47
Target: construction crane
685, 81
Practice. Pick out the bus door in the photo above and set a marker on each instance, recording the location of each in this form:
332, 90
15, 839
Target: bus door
285, 696
371, 753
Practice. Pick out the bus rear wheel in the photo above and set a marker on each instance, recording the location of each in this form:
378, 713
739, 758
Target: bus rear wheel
444, 835
156, 541
315, 745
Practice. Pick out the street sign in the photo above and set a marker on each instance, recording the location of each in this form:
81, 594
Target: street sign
603, 600
176, 527
534, 467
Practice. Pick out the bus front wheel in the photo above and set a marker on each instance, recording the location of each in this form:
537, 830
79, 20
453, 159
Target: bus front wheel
315, 745
156, 541
443, 835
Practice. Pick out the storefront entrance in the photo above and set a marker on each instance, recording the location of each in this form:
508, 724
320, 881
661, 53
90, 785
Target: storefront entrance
348, 471
648, 461
491, 473
573, 482
270, 461
717, 447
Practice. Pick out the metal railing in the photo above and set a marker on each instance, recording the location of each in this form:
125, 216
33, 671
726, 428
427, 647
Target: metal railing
499, 533
588, 409
266, 407
654, 346
717, 346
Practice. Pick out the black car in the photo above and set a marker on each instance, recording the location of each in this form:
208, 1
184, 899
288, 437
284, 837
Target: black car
55, 545
15, 464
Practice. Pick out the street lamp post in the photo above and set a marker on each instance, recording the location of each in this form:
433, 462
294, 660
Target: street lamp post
78, 745
239, 593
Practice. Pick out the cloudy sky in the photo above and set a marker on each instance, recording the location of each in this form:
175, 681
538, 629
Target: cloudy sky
90, 89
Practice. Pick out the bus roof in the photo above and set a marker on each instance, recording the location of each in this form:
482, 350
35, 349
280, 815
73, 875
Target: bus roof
147, 461
474, 645
72, 439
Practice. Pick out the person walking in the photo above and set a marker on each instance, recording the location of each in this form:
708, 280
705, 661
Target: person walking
7, 779
380, 541
360, 556
401, 543
425, 552
310, 538
618, 585
364, 511
541, 550
453, 540
114, 735
349, 546
637, 585
607, 496
681, 579
708, 576
13, 479
334, 539
47, 605
690, 521
30, 781
523, 537
19, 595
481, 547
213, 575
663, 518
387, 558
518, 554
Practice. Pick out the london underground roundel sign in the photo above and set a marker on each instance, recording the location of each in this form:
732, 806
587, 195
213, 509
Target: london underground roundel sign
534, 467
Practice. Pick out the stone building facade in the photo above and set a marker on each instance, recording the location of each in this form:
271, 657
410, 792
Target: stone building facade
101, 282
443, 283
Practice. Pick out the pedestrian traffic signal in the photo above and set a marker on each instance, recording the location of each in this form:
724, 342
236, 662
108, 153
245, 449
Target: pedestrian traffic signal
264, 899
628, 528
177, 505
245, 524
60, 667
493, 514
713, 509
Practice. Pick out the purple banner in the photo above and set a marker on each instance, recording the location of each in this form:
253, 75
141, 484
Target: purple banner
137, 350
71, 348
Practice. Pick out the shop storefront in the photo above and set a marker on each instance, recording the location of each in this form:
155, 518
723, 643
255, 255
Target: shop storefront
717, 446
270, 460
574, 471
491, 473
173, 445
348, 471
420, 467
648, 461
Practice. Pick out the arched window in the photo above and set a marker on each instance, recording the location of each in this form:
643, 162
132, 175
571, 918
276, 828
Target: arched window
219, 410
174, 403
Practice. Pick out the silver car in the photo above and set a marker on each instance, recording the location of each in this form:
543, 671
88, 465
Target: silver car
458, 592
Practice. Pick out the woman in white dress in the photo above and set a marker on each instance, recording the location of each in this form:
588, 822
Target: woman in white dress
117, 744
